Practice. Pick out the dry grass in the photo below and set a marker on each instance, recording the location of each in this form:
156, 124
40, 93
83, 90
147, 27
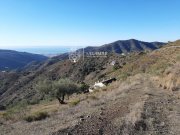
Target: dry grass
36, 116
74, 102
15, 113
178, 58
18, 112
113, 85
50, 107
135, 113
171, 78
93, 97
2, 113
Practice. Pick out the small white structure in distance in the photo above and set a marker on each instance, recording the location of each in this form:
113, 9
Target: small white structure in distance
101, 84
96, 86
123, 54
113, 63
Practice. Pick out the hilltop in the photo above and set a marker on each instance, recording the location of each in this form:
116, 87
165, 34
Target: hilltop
125, 46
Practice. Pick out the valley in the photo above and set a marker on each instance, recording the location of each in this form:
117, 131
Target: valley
144, 99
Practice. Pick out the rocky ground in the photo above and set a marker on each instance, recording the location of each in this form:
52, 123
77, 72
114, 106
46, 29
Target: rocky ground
136, 107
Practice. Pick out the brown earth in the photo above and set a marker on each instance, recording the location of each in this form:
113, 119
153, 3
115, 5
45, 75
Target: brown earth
137, 106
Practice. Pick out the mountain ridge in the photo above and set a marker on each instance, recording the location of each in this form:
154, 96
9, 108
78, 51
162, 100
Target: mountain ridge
119, 46
124, 46
11, 59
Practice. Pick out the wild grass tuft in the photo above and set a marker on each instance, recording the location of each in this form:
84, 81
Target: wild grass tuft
36, 117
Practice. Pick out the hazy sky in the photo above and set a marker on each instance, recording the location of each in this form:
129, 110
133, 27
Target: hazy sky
30, 23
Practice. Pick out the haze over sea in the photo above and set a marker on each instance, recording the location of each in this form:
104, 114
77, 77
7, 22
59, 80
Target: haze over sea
48, 51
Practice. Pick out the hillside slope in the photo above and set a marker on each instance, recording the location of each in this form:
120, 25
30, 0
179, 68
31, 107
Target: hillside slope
144, 100
88, 70
13, 60
136, 107
162, 63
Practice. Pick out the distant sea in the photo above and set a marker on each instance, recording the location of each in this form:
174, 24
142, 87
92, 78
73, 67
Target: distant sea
48, 51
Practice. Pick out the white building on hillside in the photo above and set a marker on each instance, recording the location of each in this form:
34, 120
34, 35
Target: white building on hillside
101, 84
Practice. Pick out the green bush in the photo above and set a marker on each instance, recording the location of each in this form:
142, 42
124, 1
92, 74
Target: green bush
84, 87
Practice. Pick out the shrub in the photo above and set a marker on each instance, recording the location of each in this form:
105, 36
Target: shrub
16, 112
84, 87
36, 117
116, 66
8, 116
34, 101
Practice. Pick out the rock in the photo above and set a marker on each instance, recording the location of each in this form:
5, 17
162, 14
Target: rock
81, 119
162, 124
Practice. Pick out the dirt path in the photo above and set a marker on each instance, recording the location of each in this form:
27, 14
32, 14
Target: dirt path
142, 110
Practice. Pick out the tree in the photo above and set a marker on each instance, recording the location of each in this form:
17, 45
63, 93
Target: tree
64, 87
44, 87
58, 89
